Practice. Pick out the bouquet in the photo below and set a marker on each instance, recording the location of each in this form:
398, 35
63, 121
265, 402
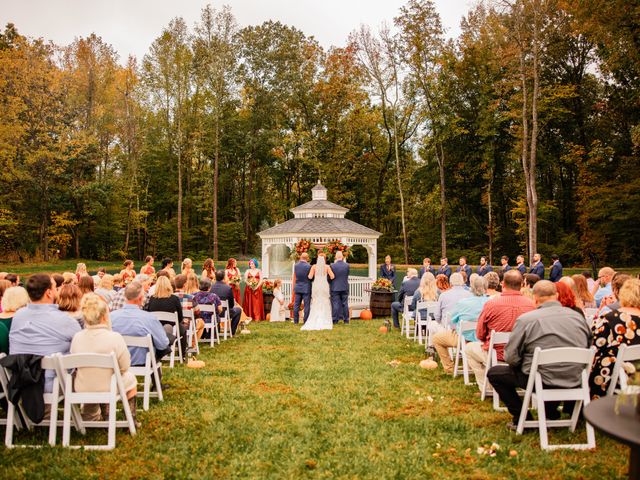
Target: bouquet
304, 246
331, 248
234, 280
267, 286
253, 284
382, 285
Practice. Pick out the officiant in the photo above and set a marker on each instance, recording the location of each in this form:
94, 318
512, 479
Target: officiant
388, 270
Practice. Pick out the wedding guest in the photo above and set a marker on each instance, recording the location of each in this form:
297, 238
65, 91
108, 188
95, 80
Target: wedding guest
14, 299
69, 277
204, 297
464, 267
180, 283
81, 270
41, 328
484, 267
209, 270
187, 266
447, 300
128, 273
583, 291
556, 269
529, 280
69, 299
612, 330
4, 285
193, 285
148, 268
442, 283
520, 266
426, 267
119, 299
537, 267
504, 261
605, 275
98, 338
388, 270
98, 276
167, 266
612, 302
444, 269
105, 288
59, 279
426, 292
407, 289
232, 274
493, 284
253, 302
568, 281
224, 292
277, 307
566, 297
163, 300
591, 283
118, 282
86, 284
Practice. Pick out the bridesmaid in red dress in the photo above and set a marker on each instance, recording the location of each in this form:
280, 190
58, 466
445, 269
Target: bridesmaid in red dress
233, 272
253, 301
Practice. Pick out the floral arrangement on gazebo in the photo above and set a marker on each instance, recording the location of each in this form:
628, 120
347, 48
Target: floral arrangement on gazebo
304, 246
267, 286
332, 247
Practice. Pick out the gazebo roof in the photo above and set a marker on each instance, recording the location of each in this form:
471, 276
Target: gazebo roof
319, 226
319, 205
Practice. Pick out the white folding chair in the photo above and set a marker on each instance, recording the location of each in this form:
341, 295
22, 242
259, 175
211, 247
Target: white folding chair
211, 326
192, 330
225, 320
53, 399
115, 394
590, 314
172, 317
4, 393
405, 327
150, 368
626, 353
463, 326
422, 321
497, 338
581, 356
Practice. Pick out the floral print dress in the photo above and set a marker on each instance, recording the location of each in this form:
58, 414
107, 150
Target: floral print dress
609, 332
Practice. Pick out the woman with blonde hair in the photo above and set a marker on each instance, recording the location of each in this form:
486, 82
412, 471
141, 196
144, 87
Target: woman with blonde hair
4, 285
14, 299
69, 277
118, 282
105, 288
426, 293
163, 300
187, 266
582, 291
193, 285
69, 300
97, 337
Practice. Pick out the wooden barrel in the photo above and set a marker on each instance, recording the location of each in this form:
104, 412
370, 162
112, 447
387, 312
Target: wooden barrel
268, 300
380, 304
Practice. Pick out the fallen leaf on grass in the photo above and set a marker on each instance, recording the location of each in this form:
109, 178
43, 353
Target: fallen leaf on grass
311, 464
394, 363
513, 453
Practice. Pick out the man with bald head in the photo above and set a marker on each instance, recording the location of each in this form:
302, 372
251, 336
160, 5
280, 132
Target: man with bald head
550, 325
605, 275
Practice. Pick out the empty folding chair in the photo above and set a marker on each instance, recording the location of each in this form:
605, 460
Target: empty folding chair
463, 326
212, 326
497, 338
626, 353
150, 369
225, 320
405, 328
115, 394
192, 334
4, 393
172, 317
580, 394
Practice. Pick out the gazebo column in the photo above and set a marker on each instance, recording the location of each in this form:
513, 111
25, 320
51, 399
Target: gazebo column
266, 247
373, 259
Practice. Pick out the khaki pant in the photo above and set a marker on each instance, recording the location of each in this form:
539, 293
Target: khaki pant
477, 358
442, 341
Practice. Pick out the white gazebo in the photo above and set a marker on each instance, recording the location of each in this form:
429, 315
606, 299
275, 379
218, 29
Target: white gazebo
321, 222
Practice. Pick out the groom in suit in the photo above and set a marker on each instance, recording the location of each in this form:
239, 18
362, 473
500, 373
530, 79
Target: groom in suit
339, 288
302, 289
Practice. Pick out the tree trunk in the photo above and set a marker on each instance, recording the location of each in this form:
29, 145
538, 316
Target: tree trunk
533, 207
179, 204
443, 198
490, 211
399, 178
216, 167
45, 234
525, 144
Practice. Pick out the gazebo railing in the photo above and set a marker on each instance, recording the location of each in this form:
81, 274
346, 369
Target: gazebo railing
358, 296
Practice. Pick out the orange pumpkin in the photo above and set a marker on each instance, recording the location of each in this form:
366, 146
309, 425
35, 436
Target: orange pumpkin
383, 329
268, 317
366, 314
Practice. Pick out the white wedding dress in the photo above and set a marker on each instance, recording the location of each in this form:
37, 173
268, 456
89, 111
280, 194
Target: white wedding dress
320, 315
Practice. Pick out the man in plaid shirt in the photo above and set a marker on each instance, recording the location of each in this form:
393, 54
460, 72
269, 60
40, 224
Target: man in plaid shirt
119, 299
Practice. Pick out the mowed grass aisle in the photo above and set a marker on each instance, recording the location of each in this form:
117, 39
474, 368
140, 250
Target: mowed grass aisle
281, 403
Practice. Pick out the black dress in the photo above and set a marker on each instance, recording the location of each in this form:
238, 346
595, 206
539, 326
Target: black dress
170, 304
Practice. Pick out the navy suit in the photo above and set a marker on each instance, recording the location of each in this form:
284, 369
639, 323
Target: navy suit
445, 270
422, 271
506, 268
408, 288
538, 269
522, 269
556, 272
388, 272
224, 292
467, 270
339, 288
302, 290
482, 271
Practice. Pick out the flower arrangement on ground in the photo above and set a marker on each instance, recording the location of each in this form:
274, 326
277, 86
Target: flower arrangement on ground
382, 285
267, 286
332, 247
304, 246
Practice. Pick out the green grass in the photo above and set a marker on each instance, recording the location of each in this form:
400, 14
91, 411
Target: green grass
281, 403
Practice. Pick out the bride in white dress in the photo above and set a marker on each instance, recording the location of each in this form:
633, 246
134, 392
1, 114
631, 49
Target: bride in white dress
320, 313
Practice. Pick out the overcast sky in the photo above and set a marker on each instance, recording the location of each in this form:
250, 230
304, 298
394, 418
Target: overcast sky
131, 25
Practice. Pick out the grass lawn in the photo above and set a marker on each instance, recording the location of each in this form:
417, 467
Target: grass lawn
281, 403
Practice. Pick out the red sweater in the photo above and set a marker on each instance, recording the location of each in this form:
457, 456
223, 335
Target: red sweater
500, 314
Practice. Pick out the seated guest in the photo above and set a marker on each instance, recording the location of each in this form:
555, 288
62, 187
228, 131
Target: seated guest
442, 284
529, 280
497, 314
204, 297
105, 288
567, 298
388, 270
591, 283
444, 269
13, 279
493, 283
131, 320
224, 292
118, 300
97, 337
185, 298
484, 267
426, 292
85, 283
193, 284
407, 289
59, 279
603, 288
467, 309
537, 267
14, 299
611, 303
550, 325
69, 299
426, 267
69, 277
582, 288
4, 285
572, 285
611, 330
465, 268
99, 275
40, 328
447, 301
163, 300
556, 269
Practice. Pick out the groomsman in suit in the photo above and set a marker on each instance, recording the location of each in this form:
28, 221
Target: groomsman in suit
464, 267
388, 270
339, 288
556, 269
302, 289
484, 267
444, 269
426, 267
537, 267
505, 264
520, 266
